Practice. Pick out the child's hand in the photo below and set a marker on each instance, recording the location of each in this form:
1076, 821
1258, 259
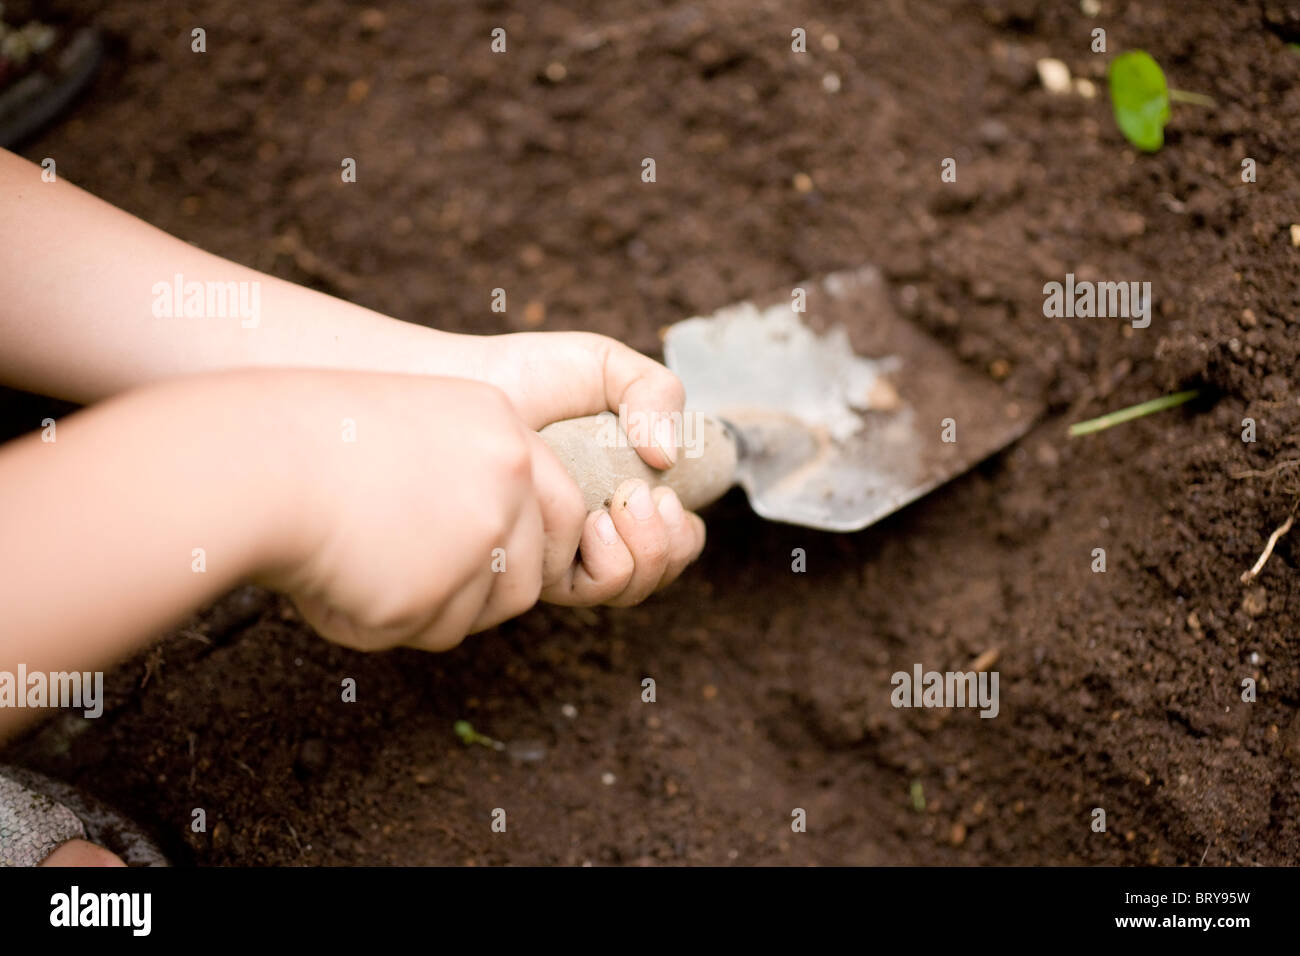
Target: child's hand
448, 514
551, 376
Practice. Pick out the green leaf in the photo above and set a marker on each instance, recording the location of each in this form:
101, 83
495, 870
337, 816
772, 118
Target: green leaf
1140, 97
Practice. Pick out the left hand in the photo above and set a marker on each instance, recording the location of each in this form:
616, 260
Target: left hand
645, 539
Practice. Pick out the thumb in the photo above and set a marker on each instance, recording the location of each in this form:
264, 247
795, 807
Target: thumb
572, 374
653, 397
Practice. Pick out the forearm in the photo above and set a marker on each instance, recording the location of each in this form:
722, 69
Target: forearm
133, 516
85, 289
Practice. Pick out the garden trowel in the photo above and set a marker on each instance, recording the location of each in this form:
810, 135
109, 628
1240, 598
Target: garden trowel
825, 406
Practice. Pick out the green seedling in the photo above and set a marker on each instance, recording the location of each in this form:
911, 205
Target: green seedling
917, 793
468, 735
1140, 97
1101, 423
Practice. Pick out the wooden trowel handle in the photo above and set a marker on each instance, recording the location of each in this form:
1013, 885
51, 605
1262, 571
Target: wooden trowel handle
599, 456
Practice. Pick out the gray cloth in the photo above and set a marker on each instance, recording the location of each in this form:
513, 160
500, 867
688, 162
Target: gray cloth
37, 813
32, 824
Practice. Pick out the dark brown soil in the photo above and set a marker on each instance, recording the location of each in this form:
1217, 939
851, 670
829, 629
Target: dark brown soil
1119, 690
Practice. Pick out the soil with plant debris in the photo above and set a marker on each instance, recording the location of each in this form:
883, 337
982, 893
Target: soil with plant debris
1120, 690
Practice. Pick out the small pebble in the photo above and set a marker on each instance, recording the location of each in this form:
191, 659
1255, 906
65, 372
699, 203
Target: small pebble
358, 90
607, 779
534, 314
313, 754
1054, 75
830, 42
532, 255
220, 835
993, 132
803, 183
556, 72
831, 82
1255, 602
568, 710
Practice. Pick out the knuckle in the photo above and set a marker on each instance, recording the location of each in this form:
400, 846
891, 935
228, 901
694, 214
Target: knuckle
683, 552
492, 398
655, 552
614, 579
494, 525
515, 457
390, 622
573, 507
439, 639
525, 597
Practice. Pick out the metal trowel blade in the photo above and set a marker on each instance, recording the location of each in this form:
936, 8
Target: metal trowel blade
829, 438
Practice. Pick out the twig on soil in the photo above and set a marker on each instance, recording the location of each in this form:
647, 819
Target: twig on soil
290, 243
1111, 419
293, 833
1268, 472
1282, 529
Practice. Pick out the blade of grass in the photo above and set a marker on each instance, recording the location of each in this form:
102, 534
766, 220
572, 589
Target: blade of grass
1110, 419
1199, 99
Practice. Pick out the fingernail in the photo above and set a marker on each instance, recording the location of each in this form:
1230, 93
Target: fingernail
639, 502
605, 529
666, 439
670, 507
